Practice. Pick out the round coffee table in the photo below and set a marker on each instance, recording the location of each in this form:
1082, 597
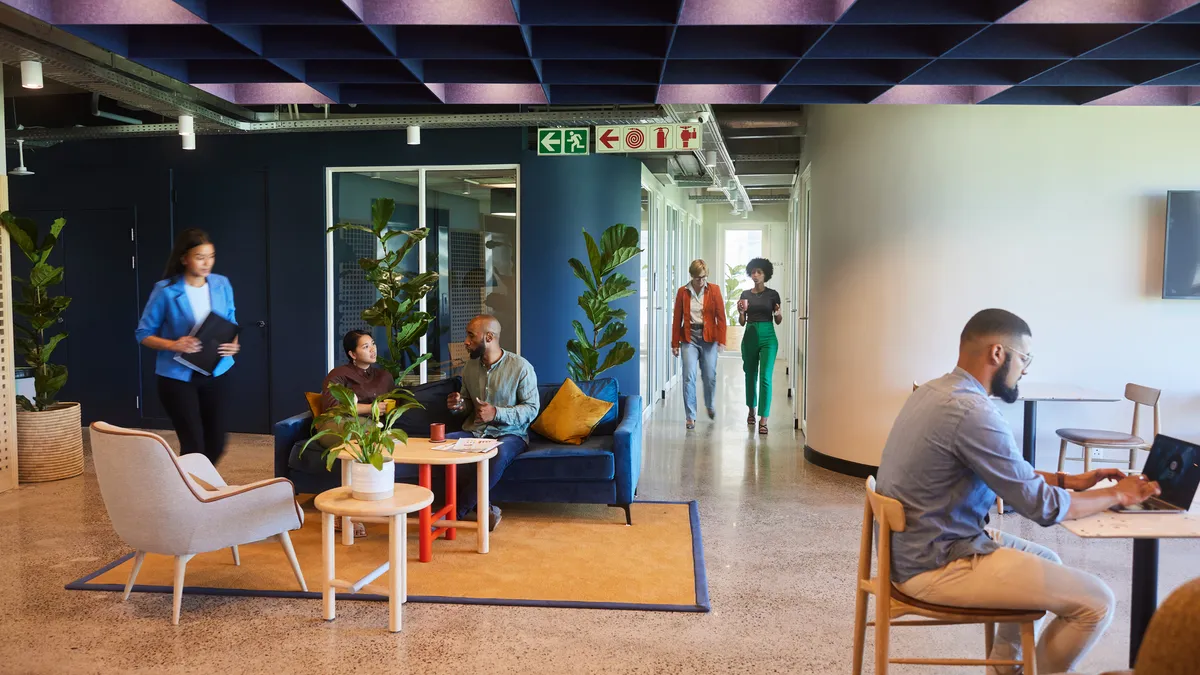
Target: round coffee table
420, 451
394, 511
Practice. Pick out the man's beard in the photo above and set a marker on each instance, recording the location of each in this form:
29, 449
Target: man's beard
999, 388
477, 352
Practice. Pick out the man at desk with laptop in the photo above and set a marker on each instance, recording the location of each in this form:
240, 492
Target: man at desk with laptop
948, 456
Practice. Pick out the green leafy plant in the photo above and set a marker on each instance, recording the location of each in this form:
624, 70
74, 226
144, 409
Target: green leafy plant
367, 438
734, 275
618, 245
398, 309
40, 309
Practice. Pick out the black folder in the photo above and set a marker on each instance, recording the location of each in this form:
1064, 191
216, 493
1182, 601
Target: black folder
214, 332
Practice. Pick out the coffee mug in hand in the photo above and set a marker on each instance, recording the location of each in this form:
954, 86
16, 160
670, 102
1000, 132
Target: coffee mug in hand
437, 432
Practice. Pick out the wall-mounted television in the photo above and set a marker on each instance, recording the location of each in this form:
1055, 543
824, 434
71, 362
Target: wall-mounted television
1181, 264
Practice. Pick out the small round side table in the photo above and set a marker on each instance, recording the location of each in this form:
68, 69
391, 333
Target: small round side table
339, 502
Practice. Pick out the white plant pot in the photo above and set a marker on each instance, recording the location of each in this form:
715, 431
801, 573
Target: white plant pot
371, 484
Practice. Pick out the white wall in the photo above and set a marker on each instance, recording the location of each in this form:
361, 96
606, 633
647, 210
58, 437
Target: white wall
924, 215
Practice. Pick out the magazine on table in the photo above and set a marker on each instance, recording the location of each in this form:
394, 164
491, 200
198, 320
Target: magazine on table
468, 445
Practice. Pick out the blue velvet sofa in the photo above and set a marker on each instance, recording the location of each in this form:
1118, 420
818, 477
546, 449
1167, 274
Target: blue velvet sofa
603, 470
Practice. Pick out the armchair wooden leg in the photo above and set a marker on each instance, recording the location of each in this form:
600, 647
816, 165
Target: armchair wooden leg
882, 636
1132, 459
1087, 459
286, 541
989, 639
181, 562
237, 559
1062, 453
137, 567
860, 630
1028, 648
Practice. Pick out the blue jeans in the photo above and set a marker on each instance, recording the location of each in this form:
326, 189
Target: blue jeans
510, 447
705, 354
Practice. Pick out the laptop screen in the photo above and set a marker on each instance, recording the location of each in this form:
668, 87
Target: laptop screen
1175, 464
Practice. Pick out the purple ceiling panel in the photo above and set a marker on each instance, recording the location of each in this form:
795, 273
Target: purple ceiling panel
438, 89
356, 6
116, 12
493, 94
927, 94
1095, 11
1151, 96
726, 94
761, 12
277, 93
41, 9
984, 92
439, 12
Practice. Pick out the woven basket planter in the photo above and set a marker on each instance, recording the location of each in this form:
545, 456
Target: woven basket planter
49, 444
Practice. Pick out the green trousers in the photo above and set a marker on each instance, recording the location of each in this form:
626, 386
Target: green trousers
759, 346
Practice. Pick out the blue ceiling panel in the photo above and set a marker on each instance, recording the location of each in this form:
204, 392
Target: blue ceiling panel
588, 52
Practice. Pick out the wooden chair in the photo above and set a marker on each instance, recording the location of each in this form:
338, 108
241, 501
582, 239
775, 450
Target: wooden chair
1096, 439
999, 501
891, 604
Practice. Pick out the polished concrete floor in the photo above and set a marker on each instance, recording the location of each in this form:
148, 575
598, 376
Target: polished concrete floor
780, 539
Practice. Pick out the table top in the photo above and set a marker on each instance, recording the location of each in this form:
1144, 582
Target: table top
1113, 525
420, 451
341, 502
1048, 391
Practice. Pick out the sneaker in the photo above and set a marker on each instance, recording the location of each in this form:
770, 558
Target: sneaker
712, 414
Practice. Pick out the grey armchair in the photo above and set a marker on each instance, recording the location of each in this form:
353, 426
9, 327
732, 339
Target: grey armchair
180, 506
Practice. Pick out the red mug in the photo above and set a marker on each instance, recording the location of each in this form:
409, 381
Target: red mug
437, 432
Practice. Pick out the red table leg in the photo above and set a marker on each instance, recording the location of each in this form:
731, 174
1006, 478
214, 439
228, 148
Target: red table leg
425, 539
452, 499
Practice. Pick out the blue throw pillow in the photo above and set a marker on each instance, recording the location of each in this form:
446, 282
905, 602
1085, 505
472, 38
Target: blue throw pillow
605, 389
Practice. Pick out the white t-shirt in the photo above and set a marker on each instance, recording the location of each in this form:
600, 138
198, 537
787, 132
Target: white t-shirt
697, 305
201, 301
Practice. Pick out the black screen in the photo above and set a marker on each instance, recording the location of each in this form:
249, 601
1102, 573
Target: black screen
1176, 466
1181, 268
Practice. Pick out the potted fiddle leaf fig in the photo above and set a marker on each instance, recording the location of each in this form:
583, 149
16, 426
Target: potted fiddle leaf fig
369, 439
49, 432
618, 245
398, 309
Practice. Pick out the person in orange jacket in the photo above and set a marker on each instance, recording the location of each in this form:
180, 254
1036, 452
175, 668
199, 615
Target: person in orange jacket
698, 331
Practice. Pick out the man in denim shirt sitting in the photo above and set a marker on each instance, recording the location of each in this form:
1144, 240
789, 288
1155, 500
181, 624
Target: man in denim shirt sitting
949, 454
500, 399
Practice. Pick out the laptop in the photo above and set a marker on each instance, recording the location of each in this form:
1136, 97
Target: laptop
1175, 464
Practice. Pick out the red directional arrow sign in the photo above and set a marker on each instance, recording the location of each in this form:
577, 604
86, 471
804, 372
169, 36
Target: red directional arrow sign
608, 139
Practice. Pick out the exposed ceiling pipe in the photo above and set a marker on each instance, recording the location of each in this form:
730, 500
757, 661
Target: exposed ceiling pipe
97, 112
755, 200
724, 173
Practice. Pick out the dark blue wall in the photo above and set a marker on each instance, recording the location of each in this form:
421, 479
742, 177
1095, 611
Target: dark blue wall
558, 197
561, 197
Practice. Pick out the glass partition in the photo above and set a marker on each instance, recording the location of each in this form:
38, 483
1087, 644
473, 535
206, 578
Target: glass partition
471, 213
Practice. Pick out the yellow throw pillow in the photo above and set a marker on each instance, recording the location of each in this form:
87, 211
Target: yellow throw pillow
571, 416
314, 402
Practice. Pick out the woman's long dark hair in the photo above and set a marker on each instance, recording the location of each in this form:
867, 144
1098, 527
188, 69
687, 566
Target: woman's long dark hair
184, 242
350, 342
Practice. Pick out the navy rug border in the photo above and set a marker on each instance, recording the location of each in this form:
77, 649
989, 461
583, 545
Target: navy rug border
699, 571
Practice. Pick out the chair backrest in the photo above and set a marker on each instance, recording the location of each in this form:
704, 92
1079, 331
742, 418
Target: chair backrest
889, 514
1170, 646
1144, 396
149, 498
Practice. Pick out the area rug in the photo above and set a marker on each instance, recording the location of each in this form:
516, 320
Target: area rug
543, 555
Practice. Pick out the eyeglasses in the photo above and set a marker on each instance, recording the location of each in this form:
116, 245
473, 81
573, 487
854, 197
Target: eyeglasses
1027, 358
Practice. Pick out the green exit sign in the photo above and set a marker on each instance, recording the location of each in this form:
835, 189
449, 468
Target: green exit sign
563, 141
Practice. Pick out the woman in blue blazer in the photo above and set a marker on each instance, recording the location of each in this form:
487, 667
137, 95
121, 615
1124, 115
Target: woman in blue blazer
187, 294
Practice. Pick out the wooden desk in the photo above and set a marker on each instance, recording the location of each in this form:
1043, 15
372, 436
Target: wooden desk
1145, 529
1033, 393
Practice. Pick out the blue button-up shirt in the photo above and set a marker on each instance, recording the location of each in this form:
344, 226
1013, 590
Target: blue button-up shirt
509, 384
949, 454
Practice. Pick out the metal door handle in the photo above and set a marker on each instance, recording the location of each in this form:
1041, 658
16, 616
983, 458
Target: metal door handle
262, 324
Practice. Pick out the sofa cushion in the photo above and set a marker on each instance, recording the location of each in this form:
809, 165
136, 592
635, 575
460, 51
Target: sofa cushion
571, 415
432, 395
314, 402
548, 461
605, 389
313, 461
